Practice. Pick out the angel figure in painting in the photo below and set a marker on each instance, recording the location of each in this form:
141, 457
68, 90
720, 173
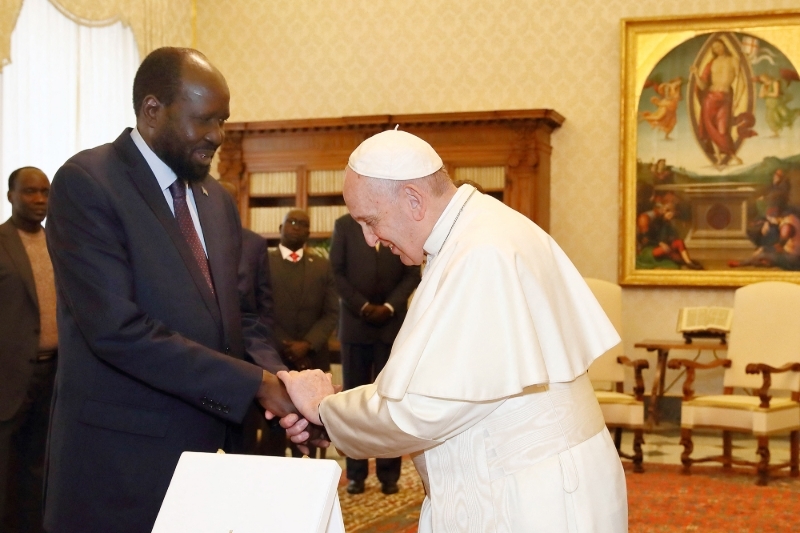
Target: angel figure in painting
778, 114
665, 116
720, 84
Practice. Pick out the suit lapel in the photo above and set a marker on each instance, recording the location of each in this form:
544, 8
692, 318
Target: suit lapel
145, 181
9, 239
213, 235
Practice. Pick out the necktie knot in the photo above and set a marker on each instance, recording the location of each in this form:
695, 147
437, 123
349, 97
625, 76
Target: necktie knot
177, 189
294, 257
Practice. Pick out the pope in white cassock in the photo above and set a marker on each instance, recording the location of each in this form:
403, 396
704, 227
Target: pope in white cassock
486, 385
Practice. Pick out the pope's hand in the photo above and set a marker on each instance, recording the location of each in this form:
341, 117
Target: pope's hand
307, 389
274, 398
295, 427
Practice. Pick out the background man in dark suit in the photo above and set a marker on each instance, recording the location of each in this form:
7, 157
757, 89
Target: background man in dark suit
374, 287
145, 248
306, 304
28, 342
255, 288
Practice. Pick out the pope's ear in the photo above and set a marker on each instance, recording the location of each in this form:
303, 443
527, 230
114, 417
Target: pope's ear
415, 201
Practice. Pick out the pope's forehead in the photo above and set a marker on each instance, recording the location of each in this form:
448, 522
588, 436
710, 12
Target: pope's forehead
354, 189
361, 198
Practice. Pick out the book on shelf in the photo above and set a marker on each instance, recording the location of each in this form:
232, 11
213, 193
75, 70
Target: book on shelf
490, 178
325, 181
267, 219
693, 320
324, 216
273, 183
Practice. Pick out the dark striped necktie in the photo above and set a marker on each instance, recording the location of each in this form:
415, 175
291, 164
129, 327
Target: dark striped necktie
185, 223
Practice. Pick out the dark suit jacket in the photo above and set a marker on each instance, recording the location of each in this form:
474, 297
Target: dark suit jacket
306, 305
150, 360
364, 275
255, 287
19, 321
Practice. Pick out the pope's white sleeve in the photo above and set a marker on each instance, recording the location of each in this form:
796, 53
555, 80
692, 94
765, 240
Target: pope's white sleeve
436, 419
362, 423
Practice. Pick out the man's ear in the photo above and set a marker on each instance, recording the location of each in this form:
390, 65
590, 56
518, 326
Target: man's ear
151, 109
416, 201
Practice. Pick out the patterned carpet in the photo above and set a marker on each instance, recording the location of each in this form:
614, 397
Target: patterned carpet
375, 512
661, 500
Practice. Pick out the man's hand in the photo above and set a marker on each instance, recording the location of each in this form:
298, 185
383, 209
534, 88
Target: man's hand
377, 315
296, 353
296, 349
273, 396
307, 389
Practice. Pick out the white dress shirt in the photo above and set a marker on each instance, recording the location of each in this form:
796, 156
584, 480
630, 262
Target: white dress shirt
285, 253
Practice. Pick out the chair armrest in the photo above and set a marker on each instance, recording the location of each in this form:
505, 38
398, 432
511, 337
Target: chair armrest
637, 365
691, 366
767, 371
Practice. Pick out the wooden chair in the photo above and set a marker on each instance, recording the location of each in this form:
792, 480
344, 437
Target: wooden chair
764, 339
620, 410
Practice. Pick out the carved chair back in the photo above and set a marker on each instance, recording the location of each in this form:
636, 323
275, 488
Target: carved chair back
765, 329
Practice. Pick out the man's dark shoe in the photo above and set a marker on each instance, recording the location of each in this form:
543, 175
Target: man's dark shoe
389, 488
356, 486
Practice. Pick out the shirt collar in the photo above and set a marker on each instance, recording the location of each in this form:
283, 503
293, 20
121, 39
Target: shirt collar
285, 252
441, 229
164, 175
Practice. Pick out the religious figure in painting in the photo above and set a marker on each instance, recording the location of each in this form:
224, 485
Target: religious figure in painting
658, 243
720, 82
781, 243
665, 116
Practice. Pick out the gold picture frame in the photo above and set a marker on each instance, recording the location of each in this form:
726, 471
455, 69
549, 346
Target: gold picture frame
710, 149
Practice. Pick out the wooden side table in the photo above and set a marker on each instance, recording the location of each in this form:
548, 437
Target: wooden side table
663, 347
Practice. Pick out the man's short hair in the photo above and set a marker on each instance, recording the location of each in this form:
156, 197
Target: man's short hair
12, 178
160, 75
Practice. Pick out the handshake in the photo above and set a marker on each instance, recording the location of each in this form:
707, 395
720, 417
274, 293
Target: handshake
294, 397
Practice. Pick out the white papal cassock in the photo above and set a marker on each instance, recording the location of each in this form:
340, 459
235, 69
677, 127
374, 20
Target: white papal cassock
486, 385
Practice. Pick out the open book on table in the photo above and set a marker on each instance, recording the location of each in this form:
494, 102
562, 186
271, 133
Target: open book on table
693, 320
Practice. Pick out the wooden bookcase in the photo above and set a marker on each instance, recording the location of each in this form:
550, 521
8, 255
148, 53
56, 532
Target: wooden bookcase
278, 165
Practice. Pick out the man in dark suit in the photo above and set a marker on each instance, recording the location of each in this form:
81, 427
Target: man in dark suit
306, 304
374, 287
145, 248
28, 343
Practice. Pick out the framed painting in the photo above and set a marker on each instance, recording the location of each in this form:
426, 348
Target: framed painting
710, 150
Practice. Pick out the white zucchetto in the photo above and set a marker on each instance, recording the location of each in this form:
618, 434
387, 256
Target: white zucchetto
395, 155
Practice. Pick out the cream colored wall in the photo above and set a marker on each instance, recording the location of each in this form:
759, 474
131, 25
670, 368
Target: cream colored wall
309, 58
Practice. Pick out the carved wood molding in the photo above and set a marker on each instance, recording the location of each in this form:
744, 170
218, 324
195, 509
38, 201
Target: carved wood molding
383, 122
517, 140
